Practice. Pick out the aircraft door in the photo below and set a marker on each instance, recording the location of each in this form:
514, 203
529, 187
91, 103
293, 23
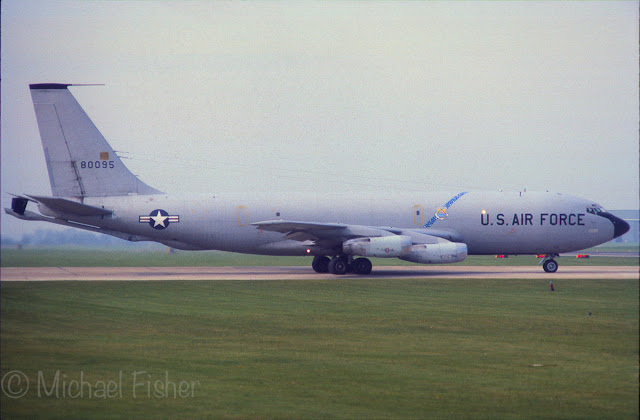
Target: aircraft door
241, 215
418, 217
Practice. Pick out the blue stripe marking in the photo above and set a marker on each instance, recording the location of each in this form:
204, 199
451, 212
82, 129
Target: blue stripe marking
446, 206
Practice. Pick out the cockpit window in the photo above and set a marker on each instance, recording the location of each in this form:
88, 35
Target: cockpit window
595, 209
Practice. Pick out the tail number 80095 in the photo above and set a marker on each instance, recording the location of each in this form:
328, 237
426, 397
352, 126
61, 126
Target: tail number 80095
97, 164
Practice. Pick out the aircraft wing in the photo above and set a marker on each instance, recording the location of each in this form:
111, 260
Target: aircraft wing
323, 232
339, 232
304, 231
284, 226
332, 234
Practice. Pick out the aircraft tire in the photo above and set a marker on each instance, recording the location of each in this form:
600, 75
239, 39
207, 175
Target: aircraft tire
338, 265
362, 266
320, 264
550, 266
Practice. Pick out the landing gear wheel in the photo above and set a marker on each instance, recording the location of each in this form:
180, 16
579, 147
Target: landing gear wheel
550, 266
362, 266
320, 264
338, 265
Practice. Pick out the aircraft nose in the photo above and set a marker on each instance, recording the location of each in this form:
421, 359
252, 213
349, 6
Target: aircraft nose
620, 227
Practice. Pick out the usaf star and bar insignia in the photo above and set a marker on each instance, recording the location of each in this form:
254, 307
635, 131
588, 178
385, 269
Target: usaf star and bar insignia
159, 219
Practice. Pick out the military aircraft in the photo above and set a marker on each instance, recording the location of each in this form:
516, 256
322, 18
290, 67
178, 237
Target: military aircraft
93, 190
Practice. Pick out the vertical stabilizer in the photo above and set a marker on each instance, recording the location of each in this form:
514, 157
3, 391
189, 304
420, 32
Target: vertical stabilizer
80, 161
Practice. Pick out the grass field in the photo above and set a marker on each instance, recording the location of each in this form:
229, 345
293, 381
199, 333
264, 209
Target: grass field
57, 257
331, 349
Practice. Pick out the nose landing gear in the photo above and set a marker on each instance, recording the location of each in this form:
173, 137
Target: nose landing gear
550, 265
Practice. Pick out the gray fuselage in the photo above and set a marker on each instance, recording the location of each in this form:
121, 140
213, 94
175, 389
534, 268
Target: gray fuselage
487, 222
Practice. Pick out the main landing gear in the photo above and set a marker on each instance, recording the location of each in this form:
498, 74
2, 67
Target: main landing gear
549, 264
341, 264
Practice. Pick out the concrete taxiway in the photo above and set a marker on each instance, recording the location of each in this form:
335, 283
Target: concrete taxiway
306, 273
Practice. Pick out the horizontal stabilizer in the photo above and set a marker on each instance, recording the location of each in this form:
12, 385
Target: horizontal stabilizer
29, 215
70, 207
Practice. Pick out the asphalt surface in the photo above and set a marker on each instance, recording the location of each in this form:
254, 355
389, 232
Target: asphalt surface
306, 273
619, 254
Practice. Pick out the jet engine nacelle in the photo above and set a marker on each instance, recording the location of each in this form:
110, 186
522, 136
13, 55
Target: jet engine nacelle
444, 252
383, 247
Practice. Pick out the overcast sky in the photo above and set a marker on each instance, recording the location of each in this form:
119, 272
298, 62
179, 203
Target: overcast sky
376, 96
